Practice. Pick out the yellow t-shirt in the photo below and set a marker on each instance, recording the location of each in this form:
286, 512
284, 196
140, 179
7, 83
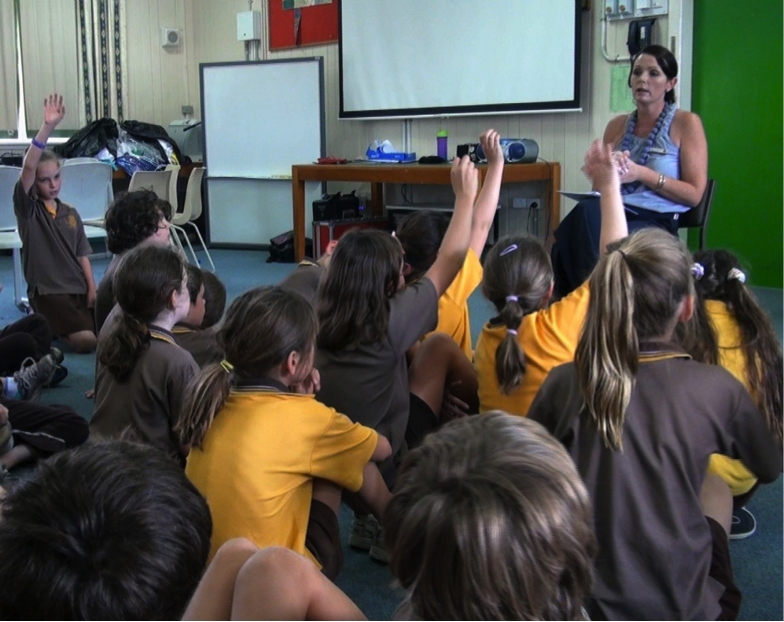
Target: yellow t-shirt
453, 317
738, 477
259, 458
548, 338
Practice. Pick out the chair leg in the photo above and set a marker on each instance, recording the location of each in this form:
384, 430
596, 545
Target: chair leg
176, 230
203, 245
21, 302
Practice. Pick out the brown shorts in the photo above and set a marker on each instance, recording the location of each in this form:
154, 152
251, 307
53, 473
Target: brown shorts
721, 571
66, 313
323, 539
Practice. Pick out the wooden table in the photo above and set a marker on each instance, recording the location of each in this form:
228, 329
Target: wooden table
379, 174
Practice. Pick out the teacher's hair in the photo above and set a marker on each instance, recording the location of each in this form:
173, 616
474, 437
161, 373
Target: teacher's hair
666, 61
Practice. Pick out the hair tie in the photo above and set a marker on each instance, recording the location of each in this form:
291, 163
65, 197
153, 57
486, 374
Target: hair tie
622, 254
512, 299
737, 275
511, 331
697, 271
509, 249
227, 367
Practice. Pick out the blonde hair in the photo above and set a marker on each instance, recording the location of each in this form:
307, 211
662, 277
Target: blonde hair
490, 521
636, 294
517, 277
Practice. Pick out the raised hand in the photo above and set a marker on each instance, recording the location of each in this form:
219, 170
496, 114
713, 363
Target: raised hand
601, 165
54, 110
465, 179
491, 145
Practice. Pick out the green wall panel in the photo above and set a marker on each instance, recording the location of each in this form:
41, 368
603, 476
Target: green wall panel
738, 93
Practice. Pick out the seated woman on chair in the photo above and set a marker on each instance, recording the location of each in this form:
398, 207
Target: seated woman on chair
662, 157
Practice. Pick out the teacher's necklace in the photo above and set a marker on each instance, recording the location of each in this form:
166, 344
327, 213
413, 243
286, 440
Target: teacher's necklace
627, 141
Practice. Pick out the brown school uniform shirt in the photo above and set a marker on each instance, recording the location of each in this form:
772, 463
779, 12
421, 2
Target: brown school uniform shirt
654, 541
51, 245
304, 280
201, 343
150, 399
369, 383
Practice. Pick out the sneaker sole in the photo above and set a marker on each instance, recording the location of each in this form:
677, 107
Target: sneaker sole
359, 543
743, 535
379, 554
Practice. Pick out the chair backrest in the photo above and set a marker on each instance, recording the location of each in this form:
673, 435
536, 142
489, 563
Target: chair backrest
157, 181
697, 216
87, 185
9, 175
193, 193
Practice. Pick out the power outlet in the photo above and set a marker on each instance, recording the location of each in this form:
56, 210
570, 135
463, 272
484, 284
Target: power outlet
519, 202
187, 109
534, 203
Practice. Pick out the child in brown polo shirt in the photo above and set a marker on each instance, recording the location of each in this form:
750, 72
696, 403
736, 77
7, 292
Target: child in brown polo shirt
55, 250
190, 334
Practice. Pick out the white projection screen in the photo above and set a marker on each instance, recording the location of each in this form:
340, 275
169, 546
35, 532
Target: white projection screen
410, 58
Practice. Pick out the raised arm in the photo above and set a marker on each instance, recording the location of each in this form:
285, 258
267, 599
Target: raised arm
487, 201
451, 254
601, 169
54, 111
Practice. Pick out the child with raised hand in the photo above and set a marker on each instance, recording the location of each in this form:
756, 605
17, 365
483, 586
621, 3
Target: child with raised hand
141, 373
421, 234
133, 219
55, 250
269, 458
640, 419
730, 329
201, 343
518, 347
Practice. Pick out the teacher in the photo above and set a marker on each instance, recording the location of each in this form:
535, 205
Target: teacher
662, 157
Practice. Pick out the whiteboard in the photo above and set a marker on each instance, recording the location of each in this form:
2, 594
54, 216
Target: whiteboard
259, 119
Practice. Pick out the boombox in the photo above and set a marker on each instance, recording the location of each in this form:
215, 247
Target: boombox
516, 151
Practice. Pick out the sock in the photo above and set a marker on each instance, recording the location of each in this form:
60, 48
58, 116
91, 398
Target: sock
11, 389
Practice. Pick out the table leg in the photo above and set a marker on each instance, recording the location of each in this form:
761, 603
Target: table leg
377, 198
298, 202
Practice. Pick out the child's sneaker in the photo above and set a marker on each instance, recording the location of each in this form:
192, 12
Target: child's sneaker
60, 374
378, 549
743, 524
32, 377
57, 355
363, 532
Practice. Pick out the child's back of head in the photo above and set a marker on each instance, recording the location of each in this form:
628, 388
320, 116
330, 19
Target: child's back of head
719, 276
214, 299
490, 520
421, 234
134, 217
112, 531
518, 278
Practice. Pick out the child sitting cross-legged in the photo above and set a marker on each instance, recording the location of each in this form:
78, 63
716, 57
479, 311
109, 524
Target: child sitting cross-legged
269, 458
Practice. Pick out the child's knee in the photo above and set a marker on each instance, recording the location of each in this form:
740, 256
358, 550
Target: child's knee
82, 342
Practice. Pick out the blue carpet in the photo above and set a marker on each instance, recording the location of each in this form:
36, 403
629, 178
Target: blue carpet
757, 560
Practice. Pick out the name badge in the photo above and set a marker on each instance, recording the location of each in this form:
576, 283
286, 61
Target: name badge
659, 150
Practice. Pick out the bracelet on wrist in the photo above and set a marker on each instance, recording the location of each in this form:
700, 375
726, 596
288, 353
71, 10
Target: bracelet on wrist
662, 180
39, 144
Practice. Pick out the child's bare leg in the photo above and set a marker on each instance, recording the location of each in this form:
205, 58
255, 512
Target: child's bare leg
439, 364
215, 593
374, 493
82, 341
716, 500
17, 455
279, 584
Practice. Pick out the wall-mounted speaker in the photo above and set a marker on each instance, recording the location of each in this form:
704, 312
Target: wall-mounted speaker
171, 37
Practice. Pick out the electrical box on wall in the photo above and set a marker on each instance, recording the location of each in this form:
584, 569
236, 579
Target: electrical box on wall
248, 26
171, 37
634, 9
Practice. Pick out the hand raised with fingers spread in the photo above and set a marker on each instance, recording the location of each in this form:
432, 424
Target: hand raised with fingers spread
465, 178
491, 145
600, 166
54, 109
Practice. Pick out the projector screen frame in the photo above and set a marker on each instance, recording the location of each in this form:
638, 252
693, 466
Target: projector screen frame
496, 108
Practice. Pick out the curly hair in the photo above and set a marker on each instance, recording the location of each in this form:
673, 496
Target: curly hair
132, 218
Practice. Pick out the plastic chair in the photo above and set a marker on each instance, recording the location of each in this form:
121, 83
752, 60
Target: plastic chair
79, 160
191, 211
162, 183
87, 185
9, 237
697, 216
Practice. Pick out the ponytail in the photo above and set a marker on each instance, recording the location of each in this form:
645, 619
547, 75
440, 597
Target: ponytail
125, 340
607, 354
205, 397
517, 279
723, 280
636, 294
